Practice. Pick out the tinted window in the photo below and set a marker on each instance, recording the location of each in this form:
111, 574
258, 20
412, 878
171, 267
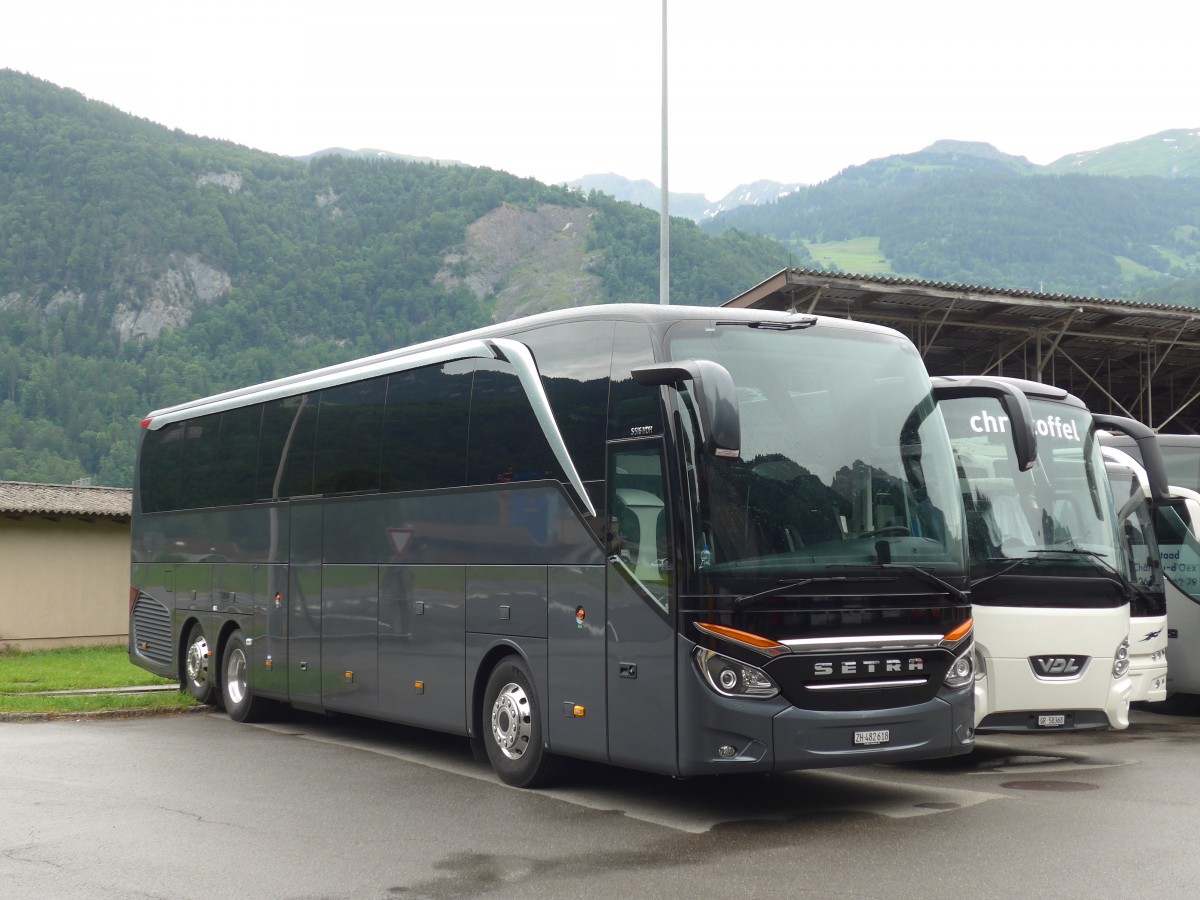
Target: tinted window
201, 462
506, 442
285, 457
159, 468
425, 428
574, 361
348, 437
238, 456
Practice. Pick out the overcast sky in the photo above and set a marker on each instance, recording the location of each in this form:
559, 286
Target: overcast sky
790, 90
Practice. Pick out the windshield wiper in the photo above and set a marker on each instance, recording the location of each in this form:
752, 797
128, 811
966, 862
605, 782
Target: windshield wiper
1070, 551
858, 577
738, 601
1079, 551
928, 577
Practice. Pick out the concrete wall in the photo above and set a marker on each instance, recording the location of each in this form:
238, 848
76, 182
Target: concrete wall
63, 583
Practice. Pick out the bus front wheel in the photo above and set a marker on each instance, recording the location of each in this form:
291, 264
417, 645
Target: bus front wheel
199, 668
240, 702
511, 726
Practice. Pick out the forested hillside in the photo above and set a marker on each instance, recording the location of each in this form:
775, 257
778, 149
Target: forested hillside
141, 266
968, 214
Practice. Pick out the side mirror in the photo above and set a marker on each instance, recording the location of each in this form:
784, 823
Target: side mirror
716, 399
1012, 401
1147, 442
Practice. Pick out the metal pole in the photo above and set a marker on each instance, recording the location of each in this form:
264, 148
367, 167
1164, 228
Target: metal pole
664, 228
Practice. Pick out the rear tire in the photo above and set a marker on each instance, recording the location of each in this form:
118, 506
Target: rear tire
240, 702
511, 727
200, 668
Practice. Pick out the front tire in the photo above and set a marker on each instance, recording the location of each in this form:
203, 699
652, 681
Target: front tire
511, 727
240, 702
200, 668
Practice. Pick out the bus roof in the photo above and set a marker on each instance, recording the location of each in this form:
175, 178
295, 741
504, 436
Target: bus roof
474, 344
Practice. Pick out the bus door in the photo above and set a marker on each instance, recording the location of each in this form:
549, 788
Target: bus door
641, 631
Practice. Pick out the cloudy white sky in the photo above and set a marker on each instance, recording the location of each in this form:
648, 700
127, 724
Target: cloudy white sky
791, 90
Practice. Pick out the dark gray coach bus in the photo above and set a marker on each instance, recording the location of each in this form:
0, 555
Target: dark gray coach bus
688, 541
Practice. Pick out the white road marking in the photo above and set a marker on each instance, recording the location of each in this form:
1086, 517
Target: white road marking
694, 806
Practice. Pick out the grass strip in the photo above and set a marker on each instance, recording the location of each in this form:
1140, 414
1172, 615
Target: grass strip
26, 675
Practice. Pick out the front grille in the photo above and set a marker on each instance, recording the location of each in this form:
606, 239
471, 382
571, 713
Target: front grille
152, 631
860, 679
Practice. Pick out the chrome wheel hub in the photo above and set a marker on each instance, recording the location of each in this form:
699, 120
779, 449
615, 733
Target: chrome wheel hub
512, 726
197, 661
235, 675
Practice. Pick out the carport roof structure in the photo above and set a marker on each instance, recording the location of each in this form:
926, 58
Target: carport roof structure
1124, 357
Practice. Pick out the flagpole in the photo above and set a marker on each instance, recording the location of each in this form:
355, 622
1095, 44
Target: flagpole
664, 239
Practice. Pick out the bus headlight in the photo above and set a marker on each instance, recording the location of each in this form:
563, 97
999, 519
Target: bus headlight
732, 677
962, 670
1121, 659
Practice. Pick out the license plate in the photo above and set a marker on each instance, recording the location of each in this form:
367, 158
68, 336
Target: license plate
1051, 721
870, 738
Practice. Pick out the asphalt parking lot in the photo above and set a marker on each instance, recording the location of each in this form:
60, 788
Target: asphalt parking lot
315, 807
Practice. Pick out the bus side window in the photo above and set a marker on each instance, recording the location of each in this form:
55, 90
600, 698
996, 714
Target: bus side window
161, 468
425, 427
349, 428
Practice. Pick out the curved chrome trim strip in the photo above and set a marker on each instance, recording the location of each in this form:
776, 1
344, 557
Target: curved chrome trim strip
637, 584
879, 642
531, 380
863, 685
331, 376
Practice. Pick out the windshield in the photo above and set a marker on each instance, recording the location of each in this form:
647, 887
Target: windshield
844, 458
1183, 465
1178, 547
1058, 516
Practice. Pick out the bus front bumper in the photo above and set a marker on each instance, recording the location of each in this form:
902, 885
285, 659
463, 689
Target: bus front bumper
793, 739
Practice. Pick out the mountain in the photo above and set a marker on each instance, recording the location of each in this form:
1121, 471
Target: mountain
141, 267
694, 206
967, 213
1168, 154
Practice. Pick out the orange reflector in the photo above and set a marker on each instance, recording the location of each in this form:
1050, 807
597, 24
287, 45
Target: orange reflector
742, 637
580, 712
961, 631
349, 675
269, 664
419, 685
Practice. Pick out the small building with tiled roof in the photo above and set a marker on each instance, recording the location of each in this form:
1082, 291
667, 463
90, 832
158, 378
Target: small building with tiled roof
64, 565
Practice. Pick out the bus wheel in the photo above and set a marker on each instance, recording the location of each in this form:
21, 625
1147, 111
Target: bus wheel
240, 702
512, 727
199, 667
